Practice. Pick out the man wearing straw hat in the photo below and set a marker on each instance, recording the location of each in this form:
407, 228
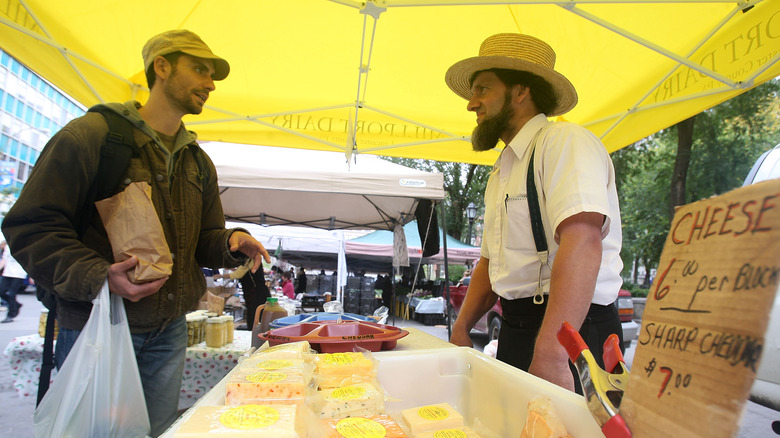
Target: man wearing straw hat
571, 270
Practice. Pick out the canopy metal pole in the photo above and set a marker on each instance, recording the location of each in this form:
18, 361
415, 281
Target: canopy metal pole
446, 272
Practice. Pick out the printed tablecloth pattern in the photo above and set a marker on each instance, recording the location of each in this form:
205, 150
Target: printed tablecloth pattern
204, 367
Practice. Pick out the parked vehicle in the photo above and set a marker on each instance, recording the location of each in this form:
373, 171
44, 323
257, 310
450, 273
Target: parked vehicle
766, 388
490, 323
625, 305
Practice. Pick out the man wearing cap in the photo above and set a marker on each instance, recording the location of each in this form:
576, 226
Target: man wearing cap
571, 270
74, 261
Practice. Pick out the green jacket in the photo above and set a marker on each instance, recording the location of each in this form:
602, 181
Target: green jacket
42, 226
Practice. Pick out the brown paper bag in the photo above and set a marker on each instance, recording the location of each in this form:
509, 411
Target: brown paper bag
134, 230
215, 304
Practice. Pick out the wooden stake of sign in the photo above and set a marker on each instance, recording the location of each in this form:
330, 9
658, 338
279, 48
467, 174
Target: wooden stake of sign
706, 314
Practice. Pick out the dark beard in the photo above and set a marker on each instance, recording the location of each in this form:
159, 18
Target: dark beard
486, 135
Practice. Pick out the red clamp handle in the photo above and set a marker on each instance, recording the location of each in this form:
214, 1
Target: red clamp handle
571, 340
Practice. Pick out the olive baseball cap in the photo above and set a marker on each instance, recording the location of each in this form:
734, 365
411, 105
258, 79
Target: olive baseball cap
183, 41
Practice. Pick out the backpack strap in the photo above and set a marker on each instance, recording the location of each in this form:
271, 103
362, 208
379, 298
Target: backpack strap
115, 154
48, 355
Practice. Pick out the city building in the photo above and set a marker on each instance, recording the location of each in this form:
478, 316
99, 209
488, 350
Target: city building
31, 111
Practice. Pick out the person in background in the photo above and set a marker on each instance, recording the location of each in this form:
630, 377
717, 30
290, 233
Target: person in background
13, 281
210, 275
513, 88
276, 277
255, 290
302, 282
287, 287
41, 229
3, 302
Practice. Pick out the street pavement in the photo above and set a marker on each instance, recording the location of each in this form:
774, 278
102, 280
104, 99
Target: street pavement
16, 413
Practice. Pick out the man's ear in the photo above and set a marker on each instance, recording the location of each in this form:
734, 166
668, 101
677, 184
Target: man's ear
162, 68
521, 93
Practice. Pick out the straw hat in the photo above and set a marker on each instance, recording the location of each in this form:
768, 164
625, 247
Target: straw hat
513, 51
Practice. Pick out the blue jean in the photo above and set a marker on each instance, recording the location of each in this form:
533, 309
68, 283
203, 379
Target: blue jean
9, 288
160, 357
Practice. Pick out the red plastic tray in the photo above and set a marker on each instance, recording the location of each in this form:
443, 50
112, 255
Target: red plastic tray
338, 336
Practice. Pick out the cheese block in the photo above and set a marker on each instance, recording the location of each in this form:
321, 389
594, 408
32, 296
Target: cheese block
456, 432
254, 421
291, 350
259, 362
265, 387
542, 421
432, 417
358, 400
375, 426
333, 369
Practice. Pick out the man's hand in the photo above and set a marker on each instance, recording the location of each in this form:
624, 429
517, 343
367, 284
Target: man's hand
119, 281
553, 368
461, 338
241, 241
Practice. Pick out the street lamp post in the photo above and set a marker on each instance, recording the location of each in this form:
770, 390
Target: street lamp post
471, 214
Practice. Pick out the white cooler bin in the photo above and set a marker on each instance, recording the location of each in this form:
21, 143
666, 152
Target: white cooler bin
478, 387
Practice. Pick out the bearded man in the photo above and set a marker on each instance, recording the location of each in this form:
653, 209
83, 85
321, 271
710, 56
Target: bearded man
552, 233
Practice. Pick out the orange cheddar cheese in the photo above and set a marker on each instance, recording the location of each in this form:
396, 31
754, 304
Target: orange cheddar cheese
456, 432
265, 387
377, 426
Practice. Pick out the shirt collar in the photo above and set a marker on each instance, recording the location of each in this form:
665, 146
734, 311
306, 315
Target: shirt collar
519, 144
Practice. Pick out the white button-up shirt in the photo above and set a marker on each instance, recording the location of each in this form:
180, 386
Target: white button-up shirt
574, 174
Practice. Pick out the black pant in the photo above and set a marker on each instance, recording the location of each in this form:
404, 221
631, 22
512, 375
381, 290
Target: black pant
9, 287
522, 320
255, 294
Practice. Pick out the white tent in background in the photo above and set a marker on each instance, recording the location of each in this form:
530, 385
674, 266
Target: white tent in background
282, 186
307, 247
315, 189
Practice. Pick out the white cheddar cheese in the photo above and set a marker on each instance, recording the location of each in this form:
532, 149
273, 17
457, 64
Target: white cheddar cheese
291, 350
432, 417
254, 421
358, 400
262, 363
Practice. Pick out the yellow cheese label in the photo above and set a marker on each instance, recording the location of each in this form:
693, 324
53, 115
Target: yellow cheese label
433, 413
449, 433
356, 427
337, 359
266, 377
275, 364
348, 393
249, 417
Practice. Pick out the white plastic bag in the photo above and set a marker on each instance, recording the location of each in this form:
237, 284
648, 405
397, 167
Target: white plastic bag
97, 392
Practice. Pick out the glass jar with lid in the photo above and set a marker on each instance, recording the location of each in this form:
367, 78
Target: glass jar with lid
215, 332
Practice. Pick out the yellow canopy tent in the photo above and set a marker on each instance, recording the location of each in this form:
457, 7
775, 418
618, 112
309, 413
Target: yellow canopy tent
368, 76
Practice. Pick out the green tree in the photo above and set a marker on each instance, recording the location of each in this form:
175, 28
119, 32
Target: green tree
725, 141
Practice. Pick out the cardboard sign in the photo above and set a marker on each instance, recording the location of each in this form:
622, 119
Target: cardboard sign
706, 315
